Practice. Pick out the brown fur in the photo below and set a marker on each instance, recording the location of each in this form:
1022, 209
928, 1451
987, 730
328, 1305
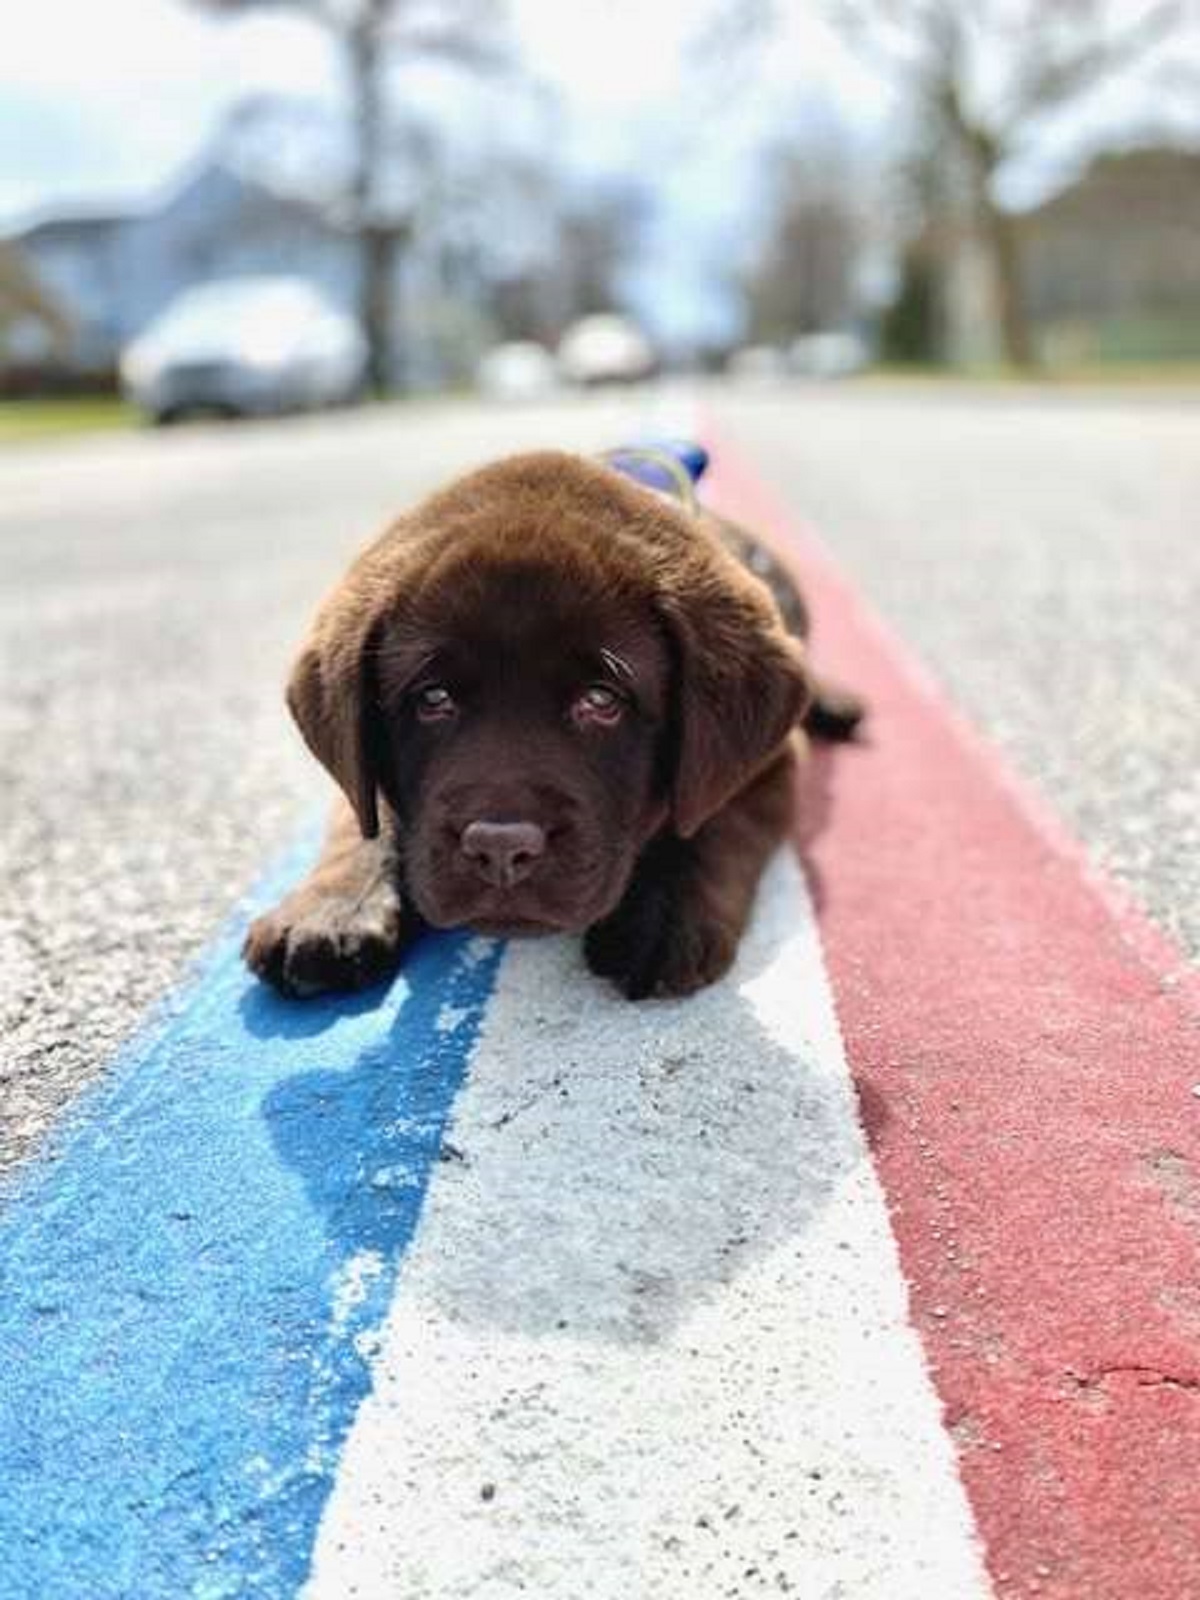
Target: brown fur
554, 701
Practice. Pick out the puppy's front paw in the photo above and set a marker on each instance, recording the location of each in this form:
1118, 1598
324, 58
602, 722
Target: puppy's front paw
660, 946
317, 944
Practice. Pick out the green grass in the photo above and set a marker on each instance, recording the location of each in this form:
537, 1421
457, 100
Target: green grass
38, 419
1116, 374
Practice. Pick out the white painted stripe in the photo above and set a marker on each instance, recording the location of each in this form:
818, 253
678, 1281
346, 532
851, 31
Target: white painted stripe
651, 1338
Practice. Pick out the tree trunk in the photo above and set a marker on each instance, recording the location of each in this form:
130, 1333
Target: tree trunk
999, 233
378, 252
1002, 235
376, 239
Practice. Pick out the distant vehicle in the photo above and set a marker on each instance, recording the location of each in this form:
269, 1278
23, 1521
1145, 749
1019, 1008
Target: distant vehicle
520, 369
829, 355
757, 363
245, 346
604, 348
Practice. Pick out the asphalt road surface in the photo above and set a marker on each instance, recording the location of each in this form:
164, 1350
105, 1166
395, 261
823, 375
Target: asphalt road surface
1037, 550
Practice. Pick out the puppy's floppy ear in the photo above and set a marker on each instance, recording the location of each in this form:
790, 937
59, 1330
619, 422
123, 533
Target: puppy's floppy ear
332, 696
741, 687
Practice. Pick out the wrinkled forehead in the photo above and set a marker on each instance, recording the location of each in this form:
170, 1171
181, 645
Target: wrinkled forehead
516, 612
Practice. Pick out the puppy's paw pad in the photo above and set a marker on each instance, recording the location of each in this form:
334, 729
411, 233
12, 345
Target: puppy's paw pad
334, 944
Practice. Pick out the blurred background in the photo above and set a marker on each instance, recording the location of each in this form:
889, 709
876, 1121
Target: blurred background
238, 206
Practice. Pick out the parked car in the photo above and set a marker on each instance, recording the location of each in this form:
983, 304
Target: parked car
519, 369
757, 363
829, 355
245, 347
604, 348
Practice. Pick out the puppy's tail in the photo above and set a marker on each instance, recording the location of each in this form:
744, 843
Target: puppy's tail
833, 714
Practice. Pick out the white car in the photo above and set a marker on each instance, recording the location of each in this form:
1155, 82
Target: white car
604, 348
246, 347
757, 363
520, 369
829, 355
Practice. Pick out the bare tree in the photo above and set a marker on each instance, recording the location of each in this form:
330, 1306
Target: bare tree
591, 239
373, 37
801, 279
23, 295
983, 77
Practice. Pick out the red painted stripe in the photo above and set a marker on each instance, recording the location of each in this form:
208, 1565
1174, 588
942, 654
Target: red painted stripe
1025, 1067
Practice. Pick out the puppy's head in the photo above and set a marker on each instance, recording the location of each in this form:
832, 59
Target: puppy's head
539, 669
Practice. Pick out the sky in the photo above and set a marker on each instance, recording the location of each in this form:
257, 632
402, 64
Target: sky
105, 102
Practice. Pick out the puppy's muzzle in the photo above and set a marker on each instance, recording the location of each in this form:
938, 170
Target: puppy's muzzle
503, 853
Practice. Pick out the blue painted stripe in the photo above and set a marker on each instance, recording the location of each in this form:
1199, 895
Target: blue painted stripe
190, 1288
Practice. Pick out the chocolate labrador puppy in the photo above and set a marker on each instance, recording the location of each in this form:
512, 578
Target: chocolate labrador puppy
555, 701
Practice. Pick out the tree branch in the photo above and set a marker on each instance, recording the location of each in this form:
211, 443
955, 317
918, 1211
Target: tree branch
316, 10
1043, 82
449, 44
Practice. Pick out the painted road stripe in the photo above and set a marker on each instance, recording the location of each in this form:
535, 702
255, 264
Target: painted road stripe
1025, 1048
190, 1289
651, 1338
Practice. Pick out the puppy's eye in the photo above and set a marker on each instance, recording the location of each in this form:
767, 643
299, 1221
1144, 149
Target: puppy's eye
598, 704
434, 703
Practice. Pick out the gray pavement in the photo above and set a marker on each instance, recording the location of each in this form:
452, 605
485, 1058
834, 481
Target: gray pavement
1038, 551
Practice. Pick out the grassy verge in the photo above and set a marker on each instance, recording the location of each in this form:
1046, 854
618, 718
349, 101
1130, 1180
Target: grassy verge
38, 419
1104, 374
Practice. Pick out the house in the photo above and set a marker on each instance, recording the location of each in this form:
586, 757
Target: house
1111, 263
113, 272
1109, 269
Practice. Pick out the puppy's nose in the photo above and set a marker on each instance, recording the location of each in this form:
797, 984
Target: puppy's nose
503, 852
